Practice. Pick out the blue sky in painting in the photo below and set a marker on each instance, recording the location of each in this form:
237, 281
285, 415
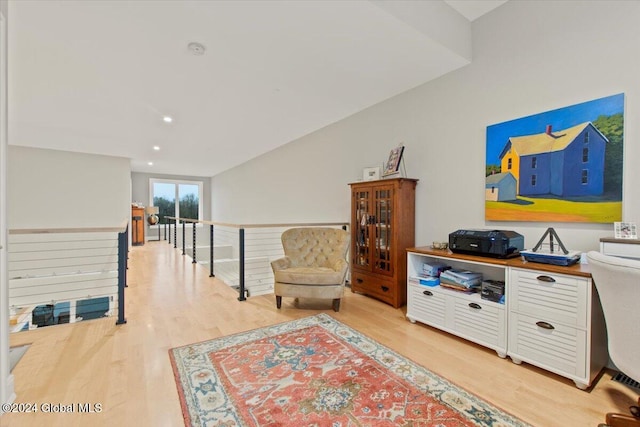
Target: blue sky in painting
562, 118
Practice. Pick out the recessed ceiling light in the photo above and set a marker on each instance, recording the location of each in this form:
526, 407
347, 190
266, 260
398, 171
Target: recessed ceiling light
167, 119
150, 163
155, 147
196, 48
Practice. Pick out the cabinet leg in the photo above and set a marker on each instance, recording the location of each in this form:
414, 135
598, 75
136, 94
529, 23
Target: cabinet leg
516, 360
501, 354
581, 386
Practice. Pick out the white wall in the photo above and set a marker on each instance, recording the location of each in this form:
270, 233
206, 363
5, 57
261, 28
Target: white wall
528, 57
6, 379
61, 189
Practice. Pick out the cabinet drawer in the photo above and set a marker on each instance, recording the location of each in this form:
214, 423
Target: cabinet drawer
480, 322
550, 296
381, 288
426, 306
624, 250
561, 349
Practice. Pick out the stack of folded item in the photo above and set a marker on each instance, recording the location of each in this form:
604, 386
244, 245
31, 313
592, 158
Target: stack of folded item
429, 274
434, 268
461, 280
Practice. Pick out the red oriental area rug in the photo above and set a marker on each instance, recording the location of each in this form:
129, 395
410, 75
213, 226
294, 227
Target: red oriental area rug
317, 372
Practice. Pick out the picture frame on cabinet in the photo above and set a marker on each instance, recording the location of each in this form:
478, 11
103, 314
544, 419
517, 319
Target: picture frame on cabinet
625, 230
371, 174
393, 164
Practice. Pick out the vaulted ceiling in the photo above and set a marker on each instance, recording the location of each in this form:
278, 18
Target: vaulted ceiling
100, 76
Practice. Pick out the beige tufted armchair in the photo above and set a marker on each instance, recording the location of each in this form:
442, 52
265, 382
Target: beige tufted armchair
314, 265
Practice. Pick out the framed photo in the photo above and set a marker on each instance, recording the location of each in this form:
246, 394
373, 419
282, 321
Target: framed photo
371, 174
625, 230
393, 164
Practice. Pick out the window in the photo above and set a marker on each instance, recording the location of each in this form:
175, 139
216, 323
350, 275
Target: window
534, 179
534, 162
585, 176
585, 155
586, 137
176, 198
509, 162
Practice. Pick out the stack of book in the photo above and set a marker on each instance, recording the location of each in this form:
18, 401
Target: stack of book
461, 280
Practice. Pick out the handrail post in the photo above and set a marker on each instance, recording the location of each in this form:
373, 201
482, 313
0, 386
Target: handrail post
175, 234
194, 243
122, 273
211, 251
241, 266
169, 224
183, 238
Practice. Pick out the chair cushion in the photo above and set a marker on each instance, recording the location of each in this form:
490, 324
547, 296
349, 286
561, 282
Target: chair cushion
309, 276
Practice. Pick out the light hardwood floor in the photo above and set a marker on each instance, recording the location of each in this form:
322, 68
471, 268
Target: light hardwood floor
171, 302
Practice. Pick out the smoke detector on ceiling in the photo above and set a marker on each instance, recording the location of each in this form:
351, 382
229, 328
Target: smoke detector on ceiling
196, 48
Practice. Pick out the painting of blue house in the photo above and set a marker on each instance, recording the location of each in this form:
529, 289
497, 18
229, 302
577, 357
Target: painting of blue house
500, 187
561, 165
564, 163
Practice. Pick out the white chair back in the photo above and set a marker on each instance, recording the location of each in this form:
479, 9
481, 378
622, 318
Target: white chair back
617, 281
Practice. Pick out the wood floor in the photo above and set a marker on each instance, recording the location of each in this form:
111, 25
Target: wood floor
171, 302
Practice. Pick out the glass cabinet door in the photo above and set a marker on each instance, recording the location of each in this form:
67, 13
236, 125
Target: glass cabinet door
363, 217
382, 229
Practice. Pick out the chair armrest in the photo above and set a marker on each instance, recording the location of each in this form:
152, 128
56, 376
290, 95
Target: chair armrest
341, 265
281, 263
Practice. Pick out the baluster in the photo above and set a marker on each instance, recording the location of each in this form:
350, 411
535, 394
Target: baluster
241, 266
184, 240
194, 243
122, 274
211, 251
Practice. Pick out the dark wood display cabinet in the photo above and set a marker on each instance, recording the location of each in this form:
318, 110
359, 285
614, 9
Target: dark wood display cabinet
382, 228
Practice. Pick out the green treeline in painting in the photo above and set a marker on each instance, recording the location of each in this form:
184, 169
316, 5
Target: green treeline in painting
612, 127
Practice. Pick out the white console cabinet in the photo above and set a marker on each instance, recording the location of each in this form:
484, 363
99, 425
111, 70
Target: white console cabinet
467, 316
551, 318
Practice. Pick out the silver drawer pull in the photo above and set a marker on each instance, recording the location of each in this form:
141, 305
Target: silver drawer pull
546, 279
428, 293
545, 325
476, 306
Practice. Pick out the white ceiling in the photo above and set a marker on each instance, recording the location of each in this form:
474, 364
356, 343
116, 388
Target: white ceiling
98, 76
473, 9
